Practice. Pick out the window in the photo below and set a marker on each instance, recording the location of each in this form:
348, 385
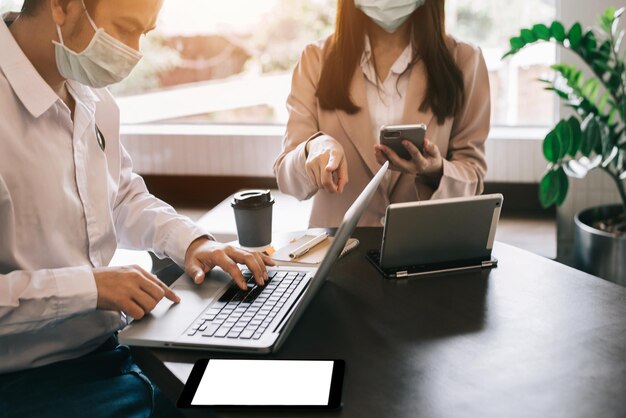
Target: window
517, 98
231, 62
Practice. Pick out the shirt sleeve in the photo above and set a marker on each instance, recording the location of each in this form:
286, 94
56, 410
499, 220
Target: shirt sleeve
144, 222
289, 167
465, 166
31, 300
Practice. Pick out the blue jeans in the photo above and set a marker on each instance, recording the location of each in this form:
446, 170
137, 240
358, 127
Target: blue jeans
104, 383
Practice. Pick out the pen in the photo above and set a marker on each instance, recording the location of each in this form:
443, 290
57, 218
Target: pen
306, 247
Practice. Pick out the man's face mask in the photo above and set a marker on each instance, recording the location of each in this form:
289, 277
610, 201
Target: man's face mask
103, 62
388, 14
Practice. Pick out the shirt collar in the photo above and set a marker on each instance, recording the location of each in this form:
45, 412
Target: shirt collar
403, 61
398, 67
84, 94
32, 90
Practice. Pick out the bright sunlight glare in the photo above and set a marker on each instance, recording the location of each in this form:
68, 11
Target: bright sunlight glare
192, 17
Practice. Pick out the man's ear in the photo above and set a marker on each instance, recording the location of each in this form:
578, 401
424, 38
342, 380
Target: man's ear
62, 10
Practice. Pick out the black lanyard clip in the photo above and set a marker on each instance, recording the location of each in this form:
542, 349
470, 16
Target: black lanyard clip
101, 142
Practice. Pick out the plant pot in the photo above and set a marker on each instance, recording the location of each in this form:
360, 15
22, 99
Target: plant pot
597, 252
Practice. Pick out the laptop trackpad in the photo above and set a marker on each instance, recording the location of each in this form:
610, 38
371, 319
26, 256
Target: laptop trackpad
169, 320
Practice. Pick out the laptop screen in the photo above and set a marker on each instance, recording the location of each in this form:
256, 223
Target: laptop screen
350, 220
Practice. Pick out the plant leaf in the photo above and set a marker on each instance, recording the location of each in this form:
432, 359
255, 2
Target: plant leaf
563, 186
606, 19
603, 100
517, 43
591, 136
608, 149
564, 135
558, 31
548, 189
604, 65
528, 36
575, 35
561, 93
509, 53
589, 41
615, 26
551, 147
576, 136
541, 31
590, 88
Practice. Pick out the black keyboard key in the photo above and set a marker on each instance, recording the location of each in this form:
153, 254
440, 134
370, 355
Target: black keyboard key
229, 294
253, 294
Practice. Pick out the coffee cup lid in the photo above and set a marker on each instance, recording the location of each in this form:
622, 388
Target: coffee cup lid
252, 199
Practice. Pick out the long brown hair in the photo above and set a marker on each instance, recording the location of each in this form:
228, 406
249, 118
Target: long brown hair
444, 94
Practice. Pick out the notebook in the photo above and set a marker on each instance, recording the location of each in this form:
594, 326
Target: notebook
314, 256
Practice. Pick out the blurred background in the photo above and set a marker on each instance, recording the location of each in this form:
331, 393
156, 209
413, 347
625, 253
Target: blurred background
234, 59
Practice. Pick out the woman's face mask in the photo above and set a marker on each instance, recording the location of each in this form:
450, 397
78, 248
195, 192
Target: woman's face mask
103, 62
388, 14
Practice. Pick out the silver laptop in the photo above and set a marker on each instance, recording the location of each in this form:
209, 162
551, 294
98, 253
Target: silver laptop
217, 315
436, 236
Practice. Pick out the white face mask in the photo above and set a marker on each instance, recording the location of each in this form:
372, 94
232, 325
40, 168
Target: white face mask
388, 14
105, 61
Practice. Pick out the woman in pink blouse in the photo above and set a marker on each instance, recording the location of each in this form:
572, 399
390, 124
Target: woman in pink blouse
388, 62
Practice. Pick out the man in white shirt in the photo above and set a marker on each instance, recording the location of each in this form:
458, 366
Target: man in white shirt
68, 197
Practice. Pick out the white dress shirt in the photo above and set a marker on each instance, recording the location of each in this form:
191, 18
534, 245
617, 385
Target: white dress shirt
65, 205
385, 99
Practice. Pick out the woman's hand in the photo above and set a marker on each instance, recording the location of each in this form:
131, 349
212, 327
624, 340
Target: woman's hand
428, 163
325, 161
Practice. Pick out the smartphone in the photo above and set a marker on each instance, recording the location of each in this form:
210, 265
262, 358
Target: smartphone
264, 383
393, 135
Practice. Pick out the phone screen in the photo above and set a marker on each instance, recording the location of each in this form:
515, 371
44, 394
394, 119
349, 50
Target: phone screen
276, 383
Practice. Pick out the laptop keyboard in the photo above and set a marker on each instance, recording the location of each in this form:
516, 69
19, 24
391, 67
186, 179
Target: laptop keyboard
246, 314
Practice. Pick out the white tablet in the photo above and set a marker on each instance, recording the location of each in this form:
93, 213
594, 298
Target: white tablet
260, 383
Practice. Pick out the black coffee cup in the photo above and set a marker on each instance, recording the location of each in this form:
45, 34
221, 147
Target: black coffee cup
253, 216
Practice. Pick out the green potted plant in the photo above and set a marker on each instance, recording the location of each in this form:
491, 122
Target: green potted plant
594, 137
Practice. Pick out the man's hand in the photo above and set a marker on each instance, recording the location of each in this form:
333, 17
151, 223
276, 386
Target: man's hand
428, 163
325, 158
204, 254
130, 289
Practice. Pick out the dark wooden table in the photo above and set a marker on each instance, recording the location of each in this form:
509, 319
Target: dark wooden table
531, 338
